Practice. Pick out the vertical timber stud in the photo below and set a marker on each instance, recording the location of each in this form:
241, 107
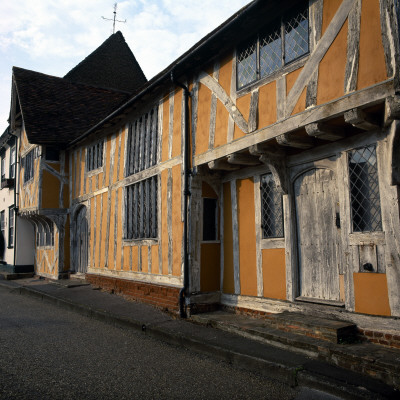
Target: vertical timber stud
186, 170
231, 123
221, 237
353, 48
390, 39
171, 123
281, 98
169, 219
213, 111
236, 265
257, 209
316, 9
195, 102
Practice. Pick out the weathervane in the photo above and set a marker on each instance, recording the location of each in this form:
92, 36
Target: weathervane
115, 17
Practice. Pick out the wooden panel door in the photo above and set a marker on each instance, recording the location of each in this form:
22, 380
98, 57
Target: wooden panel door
317, 234
82, 239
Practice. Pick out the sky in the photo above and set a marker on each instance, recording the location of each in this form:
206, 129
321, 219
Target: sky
52, 36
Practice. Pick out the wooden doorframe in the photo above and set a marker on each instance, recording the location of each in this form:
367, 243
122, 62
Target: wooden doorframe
75, 229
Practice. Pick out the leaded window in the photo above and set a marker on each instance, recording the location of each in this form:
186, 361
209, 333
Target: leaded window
28, 166
3, 224
364, 190
12, 162
11, 227
271, 208
45, 234
142, 143
3, 168
94, 156
273, 48
141, 210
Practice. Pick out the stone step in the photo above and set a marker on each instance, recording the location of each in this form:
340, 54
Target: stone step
13, 276
333, 331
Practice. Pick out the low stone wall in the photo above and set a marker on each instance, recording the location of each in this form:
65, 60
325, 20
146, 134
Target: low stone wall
164, 297
383, 338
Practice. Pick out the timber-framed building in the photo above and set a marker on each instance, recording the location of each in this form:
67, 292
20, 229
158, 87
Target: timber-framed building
259, 171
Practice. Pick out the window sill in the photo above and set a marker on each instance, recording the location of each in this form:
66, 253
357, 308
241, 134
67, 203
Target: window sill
273, 243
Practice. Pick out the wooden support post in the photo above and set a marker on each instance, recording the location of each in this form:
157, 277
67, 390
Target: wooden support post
324, 131
359, 119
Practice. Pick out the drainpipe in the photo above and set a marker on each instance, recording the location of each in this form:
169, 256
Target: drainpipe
186, 171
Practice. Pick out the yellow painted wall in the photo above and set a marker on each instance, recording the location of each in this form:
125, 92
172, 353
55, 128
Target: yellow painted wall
111, 245
51, 192
228, 284
372, 68
333, 65
154, 259
371, 293
290, 81
177, 131
164, 225
165, 130
203, 119
274, 273
247, 237
145, 259
267, 105
67, 245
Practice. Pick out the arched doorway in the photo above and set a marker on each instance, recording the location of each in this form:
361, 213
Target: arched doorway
318, 240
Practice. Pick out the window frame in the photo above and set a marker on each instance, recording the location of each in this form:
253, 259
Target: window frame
3, 224
263, 211
12, 171
351, 196
90, 166
3, 167
11, 232
29, 166
279, 25
135, 227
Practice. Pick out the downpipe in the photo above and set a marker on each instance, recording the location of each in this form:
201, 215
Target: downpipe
186, 192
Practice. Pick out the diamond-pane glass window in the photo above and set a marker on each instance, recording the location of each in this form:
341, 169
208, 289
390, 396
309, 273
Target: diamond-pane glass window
271, 208
364, 190
296, 36
247, 65
141, 210
270, 53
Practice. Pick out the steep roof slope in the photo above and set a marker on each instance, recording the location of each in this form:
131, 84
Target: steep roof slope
111, 65
56, 111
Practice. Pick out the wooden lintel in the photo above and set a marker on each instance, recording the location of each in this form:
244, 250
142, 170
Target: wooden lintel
359, 119
392, 109
222, 164
242, 159
287, 140
323, 131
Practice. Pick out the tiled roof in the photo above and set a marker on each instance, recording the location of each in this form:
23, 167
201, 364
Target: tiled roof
56, 111
112, 65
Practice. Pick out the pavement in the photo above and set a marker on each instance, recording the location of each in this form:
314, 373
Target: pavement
235, 339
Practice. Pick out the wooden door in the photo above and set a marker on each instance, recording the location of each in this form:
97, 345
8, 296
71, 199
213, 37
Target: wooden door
82, 241
317, 234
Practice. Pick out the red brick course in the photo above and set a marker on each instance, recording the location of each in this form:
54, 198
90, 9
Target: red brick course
164, 297
382, 338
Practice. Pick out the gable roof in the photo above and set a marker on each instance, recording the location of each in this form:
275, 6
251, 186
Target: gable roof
56, 111
111, 65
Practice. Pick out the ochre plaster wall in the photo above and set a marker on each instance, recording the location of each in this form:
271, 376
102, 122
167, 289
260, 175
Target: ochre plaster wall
371, 293
274, 273
51, 194
247, 237
228, 284
210, 271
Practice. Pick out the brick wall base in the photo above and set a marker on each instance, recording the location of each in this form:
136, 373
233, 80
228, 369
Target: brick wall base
385, 339
164, 297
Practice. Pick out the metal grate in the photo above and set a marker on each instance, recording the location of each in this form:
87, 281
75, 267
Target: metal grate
364, 190
271, 208
270, 53
141, 210
296, 36
247, 65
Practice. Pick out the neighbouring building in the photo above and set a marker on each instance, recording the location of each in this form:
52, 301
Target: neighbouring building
259, 171
17, 246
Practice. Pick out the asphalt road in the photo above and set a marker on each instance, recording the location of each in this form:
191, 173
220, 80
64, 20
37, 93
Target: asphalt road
49, 353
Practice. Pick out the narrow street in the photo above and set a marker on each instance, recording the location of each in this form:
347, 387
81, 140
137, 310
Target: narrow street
48, 353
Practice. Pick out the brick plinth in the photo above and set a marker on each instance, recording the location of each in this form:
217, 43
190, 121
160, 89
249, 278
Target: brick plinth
385, 339
165, 297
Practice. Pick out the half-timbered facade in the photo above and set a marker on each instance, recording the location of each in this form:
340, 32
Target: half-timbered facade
258, 171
